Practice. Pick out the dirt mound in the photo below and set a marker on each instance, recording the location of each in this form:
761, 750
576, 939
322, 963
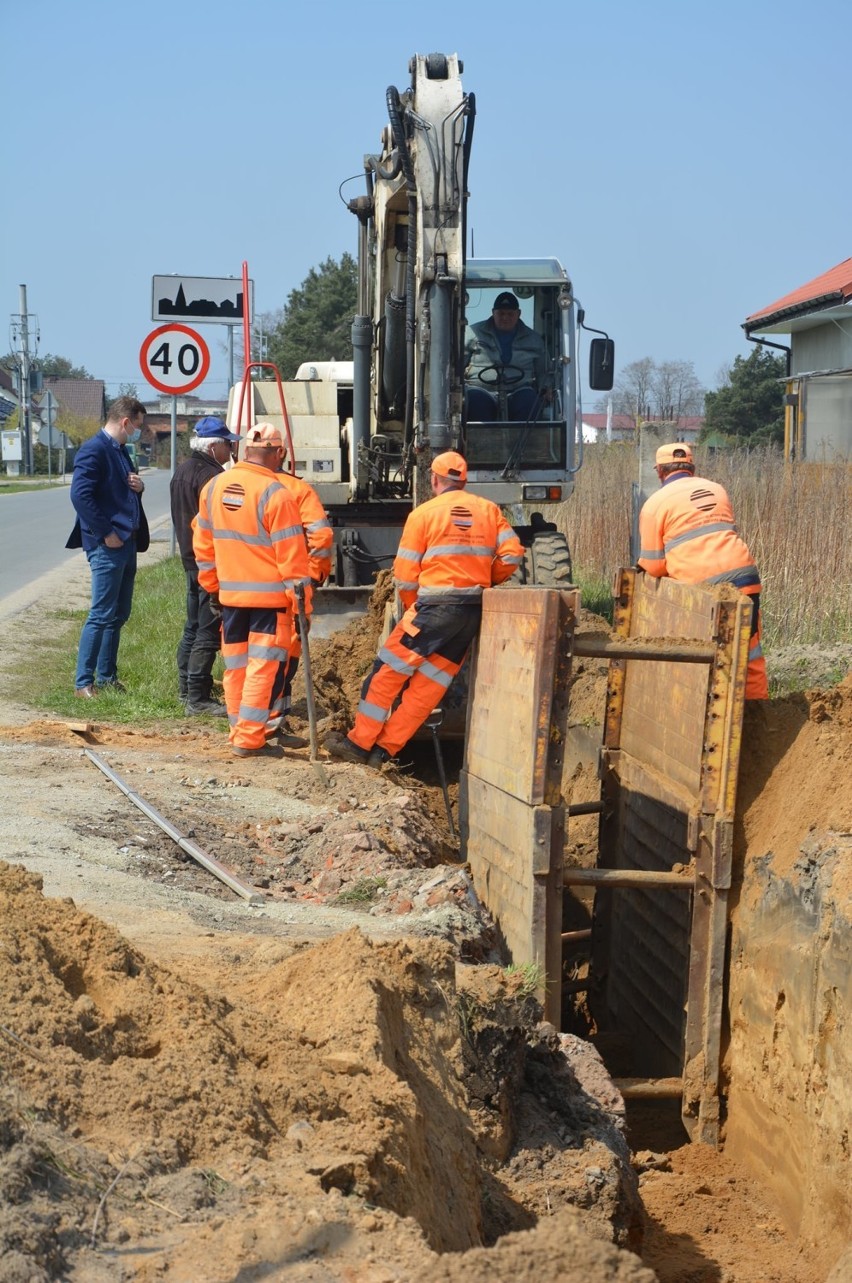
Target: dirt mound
349, 1073
795, 773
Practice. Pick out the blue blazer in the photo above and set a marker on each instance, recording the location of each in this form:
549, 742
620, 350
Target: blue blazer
102, 497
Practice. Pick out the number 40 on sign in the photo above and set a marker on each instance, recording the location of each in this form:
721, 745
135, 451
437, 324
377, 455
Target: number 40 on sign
174, 358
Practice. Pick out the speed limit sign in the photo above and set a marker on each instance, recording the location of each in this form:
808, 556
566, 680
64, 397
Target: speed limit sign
174, 358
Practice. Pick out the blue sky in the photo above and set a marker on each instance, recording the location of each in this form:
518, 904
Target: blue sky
688, 163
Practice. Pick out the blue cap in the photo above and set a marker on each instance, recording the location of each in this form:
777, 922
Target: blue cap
210, 426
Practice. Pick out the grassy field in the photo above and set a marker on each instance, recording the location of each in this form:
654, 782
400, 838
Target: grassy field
146, 659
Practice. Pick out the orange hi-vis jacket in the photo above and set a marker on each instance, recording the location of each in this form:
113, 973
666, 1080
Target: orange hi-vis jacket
248, 540
315, 523
687, 531
453, 547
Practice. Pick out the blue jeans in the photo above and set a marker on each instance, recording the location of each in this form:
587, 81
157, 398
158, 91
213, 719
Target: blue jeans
113, 573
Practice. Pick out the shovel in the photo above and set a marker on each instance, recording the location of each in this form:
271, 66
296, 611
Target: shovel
309, 685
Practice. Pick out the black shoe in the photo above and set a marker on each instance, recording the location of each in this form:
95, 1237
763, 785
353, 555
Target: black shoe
341, 746
380, 757
116, 686
205, 708
265, 750
288, 740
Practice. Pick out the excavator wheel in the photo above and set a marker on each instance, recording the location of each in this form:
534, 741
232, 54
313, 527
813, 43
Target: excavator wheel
547, 562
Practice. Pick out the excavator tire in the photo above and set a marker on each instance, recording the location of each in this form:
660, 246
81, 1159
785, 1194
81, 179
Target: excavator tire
547, 562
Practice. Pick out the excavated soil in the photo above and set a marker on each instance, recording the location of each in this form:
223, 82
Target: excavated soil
339, 1082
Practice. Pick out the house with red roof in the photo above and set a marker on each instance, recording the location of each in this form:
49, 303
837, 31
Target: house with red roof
818, 403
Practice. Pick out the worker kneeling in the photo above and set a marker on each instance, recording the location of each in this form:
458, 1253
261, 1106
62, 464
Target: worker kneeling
453, 547
250, 548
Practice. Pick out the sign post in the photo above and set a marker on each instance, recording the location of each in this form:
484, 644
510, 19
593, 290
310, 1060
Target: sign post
174, 359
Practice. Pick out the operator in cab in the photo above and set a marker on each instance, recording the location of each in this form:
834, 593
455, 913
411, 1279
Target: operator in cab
504, 355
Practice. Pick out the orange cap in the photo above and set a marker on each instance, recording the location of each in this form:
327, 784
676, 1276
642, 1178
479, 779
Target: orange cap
264, 434
451, 465
677, 452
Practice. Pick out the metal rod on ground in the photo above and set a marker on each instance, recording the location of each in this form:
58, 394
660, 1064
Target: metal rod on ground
206, 861
309, 683
433, 721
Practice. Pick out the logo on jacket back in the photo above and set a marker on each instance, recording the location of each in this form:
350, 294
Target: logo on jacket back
234, 497
709, 499
462, 517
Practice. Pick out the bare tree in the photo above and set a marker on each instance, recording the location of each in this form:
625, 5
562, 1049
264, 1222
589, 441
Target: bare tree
664, 392
633, 391
677, 391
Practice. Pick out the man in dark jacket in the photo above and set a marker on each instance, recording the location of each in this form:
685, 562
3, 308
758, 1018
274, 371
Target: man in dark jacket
111, 528
199, 645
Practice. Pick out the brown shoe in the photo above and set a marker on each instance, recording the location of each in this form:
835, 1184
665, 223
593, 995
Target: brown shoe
265, 750
86, 692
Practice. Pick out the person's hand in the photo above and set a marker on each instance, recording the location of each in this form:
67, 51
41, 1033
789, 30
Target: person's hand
112, 540
135, 482
215, 605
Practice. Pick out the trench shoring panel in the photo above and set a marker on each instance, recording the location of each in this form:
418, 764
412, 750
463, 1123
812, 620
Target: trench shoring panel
512, 817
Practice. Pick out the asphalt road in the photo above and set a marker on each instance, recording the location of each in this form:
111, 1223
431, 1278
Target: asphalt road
34, 526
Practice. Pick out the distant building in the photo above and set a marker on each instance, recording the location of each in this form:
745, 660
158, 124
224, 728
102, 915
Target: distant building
818, 401
684, 428
156, 435
84, 398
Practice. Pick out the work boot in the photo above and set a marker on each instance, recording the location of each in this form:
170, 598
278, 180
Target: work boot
380, 757
114, 685
86, 692
342, 746
264, 750
205, 708
287, 738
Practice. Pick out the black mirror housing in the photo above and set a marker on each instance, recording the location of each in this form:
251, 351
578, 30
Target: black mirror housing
601, 364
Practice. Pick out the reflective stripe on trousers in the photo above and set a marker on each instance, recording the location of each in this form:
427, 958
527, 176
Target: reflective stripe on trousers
255, 643
757, 683
419, 660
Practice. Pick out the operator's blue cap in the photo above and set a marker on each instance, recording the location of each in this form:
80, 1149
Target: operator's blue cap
210, 426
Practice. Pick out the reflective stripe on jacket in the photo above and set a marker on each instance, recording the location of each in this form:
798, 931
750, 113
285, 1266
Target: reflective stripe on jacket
315, 523
454, 546
248, 539
687, 531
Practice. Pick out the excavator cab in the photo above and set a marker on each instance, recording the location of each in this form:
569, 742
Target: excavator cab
519, 414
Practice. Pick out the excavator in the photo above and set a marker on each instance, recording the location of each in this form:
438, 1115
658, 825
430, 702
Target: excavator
364, 433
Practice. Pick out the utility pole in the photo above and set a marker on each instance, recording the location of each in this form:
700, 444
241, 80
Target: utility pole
23, 357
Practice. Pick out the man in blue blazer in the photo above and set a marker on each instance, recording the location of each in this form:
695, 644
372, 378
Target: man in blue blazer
111, 528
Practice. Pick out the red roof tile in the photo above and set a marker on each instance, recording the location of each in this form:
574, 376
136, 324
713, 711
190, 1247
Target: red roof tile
835, 285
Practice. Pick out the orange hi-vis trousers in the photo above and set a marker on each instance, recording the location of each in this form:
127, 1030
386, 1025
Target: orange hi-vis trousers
757, 683
419, 659
255, 642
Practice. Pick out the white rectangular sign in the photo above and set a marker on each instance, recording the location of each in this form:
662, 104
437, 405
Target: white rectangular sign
204, 300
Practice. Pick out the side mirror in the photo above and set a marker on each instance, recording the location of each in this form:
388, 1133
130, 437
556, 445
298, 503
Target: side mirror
601, 364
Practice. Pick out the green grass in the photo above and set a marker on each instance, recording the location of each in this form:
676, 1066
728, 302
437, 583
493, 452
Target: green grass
146, 657
595, 593
16, 487
364, 891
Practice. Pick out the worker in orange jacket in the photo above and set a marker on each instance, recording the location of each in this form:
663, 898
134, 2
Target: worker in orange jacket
687, 531
250, 548
319, 538
453, 547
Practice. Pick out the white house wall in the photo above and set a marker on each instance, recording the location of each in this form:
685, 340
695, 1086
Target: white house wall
828, 417
823, 347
